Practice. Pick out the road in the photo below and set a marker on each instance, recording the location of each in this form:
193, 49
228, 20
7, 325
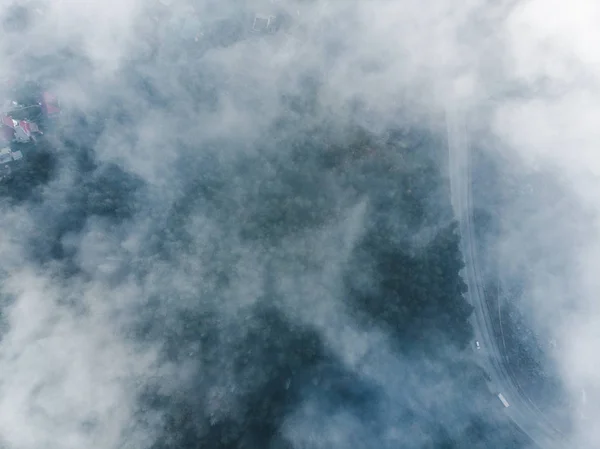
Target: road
521, 410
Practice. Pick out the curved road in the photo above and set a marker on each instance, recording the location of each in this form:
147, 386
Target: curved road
521, 410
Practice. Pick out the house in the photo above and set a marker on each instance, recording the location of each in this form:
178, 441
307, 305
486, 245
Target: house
7, 160
264, 23
50, 105
21, 131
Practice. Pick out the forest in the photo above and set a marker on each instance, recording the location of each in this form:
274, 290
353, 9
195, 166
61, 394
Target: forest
267, 262
400, 277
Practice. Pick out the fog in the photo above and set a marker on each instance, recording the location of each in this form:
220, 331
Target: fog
184, 238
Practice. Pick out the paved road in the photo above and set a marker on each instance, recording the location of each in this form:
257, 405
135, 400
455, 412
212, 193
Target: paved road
521, 410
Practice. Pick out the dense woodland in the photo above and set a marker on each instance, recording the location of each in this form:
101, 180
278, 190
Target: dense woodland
414, 293
251, 373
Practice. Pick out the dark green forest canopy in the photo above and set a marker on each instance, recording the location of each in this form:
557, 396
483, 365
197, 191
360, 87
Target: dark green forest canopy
402, 277
414, 293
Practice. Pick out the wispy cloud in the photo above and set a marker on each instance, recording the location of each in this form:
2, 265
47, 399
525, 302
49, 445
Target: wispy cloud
187, 195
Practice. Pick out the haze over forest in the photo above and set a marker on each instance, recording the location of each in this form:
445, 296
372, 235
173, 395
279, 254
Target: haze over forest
249, 238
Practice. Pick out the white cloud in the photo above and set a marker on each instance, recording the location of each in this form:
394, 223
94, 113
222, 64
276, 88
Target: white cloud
65, 367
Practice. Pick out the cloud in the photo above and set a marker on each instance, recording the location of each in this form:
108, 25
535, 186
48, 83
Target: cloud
188, 213
71, 376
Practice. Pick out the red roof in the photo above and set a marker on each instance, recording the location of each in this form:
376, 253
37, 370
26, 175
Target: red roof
25, 125
7, 121
50, 103
30, 127
7, 132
